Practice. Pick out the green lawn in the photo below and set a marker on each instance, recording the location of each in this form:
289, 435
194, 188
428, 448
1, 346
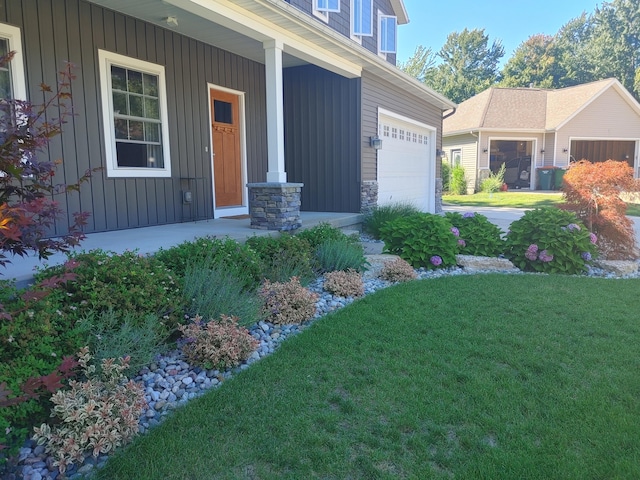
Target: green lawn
468, 377
517, 200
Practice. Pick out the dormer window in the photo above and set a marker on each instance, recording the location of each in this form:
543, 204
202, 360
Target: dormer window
327, 6
387, 34
362, 18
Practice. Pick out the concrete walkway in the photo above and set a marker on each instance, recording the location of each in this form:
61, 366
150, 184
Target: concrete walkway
151, 239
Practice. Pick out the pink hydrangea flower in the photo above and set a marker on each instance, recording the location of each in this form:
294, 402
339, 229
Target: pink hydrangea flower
455, 231
436, 260
593, 237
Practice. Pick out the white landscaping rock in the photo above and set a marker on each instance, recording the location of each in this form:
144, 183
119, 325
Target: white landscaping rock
376, 262
618, 267
474, 263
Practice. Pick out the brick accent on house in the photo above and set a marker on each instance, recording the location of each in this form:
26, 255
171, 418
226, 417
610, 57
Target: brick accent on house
275, 206
368, 196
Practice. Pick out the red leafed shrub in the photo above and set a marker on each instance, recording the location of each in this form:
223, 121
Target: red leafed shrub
592, 192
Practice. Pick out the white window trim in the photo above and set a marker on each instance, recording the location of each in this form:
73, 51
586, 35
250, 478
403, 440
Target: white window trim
381, 17
355, 35
18, 78
106, 59
321, 14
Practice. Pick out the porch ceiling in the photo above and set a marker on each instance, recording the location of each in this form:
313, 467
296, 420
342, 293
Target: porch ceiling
306, 39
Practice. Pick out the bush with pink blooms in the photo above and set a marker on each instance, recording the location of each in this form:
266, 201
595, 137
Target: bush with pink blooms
550, 240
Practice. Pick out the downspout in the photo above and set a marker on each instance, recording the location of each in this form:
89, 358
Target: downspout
453, 110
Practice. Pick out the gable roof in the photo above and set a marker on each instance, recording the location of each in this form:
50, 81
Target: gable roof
529, 109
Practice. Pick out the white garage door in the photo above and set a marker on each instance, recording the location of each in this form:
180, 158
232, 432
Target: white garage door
406, 166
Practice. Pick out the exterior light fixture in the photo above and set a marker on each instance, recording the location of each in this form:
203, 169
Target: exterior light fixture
172, 21
565, 150
542, 150
440, 153
485, 150
375, 142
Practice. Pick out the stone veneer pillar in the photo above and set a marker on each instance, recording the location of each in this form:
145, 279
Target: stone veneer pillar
368, 196
438, 194
275, 206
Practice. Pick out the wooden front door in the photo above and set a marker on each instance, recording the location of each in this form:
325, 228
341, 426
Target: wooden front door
225, 131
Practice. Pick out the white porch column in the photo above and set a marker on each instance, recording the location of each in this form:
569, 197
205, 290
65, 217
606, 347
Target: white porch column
275, 111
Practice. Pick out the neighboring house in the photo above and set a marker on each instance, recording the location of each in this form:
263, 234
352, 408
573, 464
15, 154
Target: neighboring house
529, 128
184, 102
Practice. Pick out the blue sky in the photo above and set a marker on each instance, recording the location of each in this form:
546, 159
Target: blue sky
512, 21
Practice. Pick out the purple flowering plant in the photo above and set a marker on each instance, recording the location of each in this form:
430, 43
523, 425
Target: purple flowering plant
550, 240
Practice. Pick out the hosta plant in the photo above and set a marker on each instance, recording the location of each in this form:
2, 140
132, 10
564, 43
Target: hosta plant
344, 283
96, 415
422, 239
397, 270
550, 240
217, 344
288, 302
476, 234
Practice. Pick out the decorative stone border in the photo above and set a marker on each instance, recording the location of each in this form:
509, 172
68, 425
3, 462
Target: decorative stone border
275, 206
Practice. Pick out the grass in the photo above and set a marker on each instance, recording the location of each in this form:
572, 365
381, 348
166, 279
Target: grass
517, 200
496, 376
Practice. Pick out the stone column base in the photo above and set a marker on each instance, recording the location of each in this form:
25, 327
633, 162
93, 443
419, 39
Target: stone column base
275, 206
368, 196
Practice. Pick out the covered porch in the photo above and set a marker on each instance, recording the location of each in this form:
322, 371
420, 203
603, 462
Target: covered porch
148, 240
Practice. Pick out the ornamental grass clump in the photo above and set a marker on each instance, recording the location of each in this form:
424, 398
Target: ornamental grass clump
422, 239
476, 234
344, 283
340, 255
96, 416
397, 270
380, 216
217, 344
288, 302
550, 240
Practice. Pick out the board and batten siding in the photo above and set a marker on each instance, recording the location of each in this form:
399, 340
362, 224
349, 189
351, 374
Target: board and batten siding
56, 31
607, 117
322, 128
376, 93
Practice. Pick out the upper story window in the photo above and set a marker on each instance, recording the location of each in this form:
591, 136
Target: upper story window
362, 18
387, 34
12, 79
134, 109
327, 5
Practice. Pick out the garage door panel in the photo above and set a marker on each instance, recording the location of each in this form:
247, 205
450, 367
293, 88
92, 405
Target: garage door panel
404, 164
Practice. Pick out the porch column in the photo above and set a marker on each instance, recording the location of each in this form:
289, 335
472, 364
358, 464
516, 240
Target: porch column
275, 111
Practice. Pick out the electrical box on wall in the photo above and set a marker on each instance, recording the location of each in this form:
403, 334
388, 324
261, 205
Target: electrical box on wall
187, 197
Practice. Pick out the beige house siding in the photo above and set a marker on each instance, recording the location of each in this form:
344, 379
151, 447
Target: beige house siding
608, 117
380, 93
468, 145
547, 158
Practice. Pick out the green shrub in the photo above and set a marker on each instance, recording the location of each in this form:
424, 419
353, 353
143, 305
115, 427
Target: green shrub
126, 282
211, 290
323, 232
217, 344
32, 344
476, 234
423, 240
340, 255
458, 182
344, 283
550, 240
288, 302
445, 173
283, 257
493, 183
96, 415
239, 259
381, 215
114, 334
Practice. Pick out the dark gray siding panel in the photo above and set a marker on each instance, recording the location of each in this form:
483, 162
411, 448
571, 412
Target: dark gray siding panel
377, 92
322, 125
55, 31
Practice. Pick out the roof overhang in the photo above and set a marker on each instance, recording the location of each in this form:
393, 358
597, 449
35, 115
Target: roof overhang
244, 26
495, 130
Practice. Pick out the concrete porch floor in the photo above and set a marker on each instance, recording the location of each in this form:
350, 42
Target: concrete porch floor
151, 239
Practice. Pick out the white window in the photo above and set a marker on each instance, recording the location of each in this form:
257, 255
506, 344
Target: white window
362, 17
394, 132
327, 5
134, 112
401, 134
12, 79
385, 130
387, 34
